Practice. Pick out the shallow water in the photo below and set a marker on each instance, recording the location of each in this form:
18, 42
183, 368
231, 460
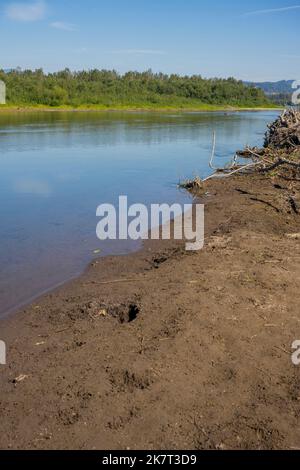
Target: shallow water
56, 168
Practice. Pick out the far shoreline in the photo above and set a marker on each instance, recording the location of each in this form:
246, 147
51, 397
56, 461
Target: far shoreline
202, 109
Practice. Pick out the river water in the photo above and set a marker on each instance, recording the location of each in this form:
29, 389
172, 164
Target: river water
56, 168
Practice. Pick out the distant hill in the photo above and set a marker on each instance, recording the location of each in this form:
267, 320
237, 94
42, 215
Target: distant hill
279, 92
283, 86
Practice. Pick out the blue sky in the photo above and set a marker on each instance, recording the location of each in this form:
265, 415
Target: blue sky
251, 40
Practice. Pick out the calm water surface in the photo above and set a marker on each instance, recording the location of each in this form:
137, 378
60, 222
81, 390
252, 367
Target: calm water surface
56, 168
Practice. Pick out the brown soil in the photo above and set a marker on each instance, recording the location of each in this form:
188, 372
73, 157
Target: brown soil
189, 351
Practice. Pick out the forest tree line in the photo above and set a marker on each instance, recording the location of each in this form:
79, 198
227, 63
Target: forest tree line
109, 88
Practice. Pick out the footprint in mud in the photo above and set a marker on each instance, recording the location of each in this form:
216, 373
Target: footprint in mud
171, 328
75, 402
173, 325
119, 422
126, 381
68, 416
250, 433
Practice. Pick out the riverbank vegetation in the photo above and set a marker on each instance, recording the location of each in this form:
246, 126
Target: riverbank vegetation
104, 89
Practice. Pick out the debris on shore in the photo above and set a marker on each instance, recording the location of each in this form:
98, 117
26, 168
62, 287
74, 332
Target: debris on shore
192, 185
284, 133
279, 157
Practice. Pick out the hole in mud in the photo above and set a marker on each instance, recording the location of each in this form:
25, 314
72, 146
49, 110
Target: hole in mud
126, 313
133, 313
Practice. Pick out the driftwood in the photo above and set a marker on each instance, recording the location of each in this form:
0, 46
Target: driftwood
284, 133
279, 157
248, 153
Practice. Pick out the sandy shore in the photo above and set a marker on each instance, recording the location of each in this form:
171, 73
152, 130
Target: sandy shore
165, 349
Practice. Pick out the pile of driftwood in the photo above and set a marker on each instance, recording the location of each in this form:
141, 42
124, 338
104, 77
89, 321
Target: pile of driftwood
284, 133
280, 155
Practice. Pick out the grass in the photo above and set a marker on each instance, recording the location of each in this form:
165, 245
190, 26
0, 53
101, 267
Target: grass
187, 107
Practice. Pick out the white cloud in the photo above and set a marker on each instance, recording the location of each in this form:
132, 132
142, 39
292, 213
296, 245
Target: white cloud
26, 11
63, 26
139, 52
271, 10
